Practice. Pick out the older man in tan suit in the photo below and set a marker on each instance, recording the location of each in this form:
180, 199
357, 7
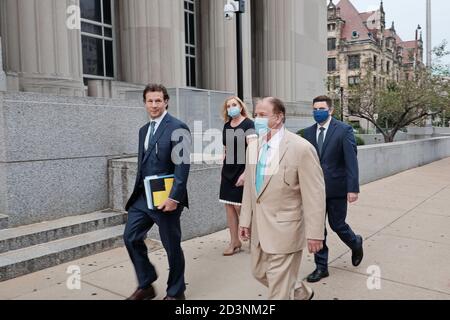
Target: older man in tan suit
283, 206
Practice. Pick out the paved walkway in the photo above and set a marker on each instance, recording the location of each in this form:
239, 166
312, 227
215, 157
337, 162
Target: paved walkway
405, 220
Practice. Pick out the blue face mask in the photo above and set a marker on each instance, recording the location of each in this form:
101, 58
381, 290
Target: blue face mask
234, 112
320, 116
261, 126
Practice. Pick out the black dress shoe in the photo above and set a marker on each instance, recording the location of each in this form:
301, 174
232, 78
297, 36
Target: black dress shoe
317, 275
143, 294
357, 254
180, 297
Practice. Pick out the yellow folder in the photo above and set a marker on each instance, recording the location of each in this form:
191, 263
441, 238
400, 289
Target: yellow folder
157, 189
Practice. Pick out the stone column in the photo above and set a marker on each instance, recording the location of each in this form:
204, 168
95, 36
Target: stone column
247, 53
289, 49
218, 48
2, 73
40, 50
152, 42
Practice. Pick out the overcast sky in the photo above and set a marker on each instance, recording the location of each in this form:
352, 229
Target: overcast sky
407, 14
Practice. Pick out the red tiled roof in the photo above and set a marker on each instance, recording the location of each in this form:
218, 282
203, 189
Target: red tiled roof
409, 44
409, 47
391, 33
366, 15
353, 21
369, 18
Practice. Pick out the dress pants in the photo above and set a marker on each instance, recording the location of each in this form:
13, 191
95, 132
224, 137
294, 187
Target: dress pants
337, 213
279, 272
140, 221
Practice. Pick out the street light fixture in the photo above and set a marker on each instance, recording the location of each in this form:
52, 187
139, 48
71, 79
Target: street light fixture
237, 8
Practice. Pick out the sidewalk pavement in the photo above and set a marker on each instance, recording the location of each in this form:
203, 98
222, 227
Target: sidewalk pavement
404, 219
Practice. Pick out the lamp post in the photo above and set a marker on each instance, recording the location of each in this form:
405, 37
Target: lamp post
342, 104
429, 40
231, 8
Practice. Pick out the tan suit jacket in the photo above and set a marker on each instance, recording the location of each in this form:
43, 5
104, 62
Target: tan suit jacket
291, 206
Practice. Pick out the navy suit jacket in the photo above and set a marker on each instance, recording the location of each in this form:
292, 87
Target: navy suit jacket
339, 159
158, 158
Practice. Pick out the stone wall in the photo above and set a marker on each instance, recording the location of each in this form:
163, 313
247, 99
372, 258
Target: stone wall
54, 152
2, 72
416, 133
207, 215
383, 160
370, 139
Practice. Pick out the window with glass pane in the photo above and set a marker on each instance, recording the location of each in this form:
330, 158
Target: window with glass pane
331, 44
91, 10
92, 56
190, 43
353, 81
97, 38
331, 64
337, 82
353, 62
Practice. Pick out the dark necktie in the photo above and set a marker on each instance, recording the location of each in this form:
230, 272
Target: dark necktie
152, 133
320, 140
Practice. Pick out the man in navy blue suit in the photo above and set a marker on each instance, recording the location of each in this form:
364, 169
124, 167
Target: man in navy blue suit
337, 150
164, 148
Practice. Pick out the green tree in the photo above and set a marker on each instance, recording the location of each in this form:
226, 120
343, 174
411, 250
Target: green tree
440, 68
402, 103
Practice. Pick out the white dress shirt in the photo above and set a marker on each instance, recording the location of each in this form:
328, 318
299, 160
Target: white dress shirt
158, 122
146, 143
274, 145
325, 126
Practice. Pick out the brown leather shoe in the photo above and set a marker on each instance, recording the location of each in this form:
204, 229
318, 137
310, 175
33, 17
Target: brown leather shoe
143, 294
180, 297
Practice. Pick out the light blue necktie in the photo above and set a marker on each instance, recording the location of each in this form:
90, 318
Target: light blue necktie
260, 168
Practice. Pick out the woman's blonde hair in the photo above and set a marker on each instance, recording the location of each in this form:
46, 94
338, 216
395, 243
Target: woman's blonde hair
244, 110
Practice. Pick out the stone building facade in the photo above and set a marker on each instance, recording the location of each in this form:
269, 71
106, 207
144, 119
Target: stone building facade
72, 77
103, 48
359, 41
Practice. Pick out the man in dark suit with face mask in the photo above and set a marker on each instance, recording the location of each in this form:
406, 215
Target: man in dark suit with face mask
337, 150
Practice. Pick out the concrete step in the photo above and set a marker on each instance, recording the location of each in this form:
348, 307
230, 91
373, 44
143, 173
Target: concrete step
34, 234
31, 259
3, 222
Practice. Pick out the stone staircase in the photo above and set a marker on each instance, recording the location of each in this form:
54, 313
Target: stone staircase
31, 248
